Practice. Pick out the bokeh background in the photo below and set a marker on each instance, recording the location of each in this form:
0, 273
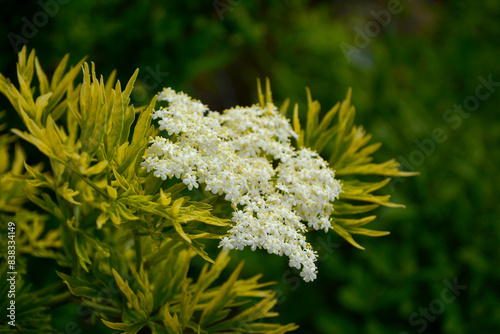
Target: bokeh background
410, 73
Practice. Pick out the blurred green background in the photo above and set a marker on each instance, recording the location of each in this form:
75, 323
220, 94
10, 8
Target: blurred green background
408, 68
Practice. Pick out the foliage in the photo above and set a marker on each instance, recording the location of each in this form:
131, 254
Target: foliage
348, 155
100, 198
32, 305
424, 61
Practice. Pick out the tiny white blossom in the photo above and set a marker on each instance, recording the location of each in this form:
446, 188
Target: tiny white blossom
233, 154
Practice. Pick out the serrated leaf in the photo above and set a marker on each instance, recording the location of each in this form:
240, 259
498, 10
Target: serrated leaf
79, 287
296, 126
171, 322
81, 252
180, 231
40, 106
42, 78
96, 169
349, 223
381, 200
367, 232
127, 328
212, 310
129, 294
198, 248
347, 236
341, 208
284, 107
260, 95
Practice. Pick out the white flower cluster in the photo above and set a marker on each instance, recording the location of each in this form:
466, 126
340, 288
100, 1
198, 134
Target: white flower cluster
234, 154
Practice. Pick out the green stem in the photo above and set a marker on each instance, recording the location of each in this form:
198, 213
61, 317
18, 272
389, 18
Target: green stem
50, 288
59, 299
86, 180
103, 308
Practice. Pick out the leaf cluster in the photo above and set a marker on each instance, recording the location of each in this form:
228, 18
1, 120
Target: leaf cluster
345, 146
111, 222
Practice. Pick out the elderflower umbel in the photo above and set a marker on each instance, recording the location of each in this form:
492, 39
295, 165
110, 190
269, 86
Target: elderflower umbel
232, 154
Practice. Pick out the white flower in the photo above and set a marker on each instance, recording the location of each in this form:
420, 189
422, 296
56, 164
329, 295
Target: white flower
233, 154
